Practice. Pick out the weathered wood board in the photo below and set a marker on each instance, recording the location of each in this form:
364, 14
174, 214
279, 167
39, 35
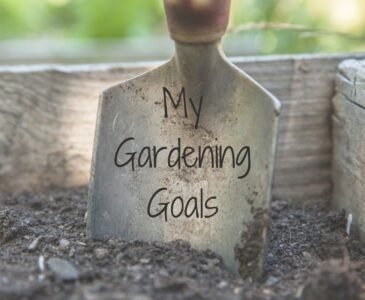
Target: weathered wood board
349, 141
48, 113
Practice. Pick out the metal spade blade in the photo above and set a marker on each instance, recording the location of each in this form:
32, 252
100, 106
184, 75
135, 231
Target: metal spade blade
186, 151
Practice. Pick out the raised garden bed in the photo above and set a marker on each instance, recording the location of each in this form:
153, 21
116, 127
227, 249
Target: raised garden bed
47, 116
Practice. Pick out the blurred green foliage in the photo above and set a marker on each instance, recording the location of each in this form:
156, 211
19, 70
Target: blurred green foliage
79, 18
121, 18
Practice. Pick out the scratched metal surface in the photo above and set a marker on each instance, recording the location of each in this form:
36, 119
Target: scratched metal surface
233, 110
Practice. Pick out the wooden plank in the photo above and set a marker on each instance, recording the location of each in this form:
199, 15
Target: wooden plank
349, 142
350, 81
319, 190
47, 116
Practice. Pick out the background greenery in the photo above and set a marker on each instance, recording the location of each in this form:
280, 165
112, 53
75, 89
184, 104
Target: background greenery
118, 19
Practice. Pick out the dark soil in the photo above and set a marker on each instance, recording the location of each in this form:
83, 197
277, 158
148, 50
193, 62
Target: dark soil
309, 256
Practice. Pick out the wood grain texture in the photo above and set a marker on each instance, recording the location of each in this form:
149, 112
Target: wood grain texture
47, 119
349, 141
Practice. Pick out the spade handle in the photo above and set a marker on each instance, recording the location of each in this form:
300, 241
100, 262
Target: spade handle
197, 21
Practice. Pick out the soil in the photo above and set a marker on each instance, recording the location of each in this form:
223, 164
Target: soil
309, 256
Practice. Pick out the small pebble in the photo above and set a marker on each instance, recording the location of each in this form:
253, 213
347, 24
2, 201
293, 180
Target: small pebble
223, 284
163, 273
41, 263
72, 252
3, 213
100, 253
119, 257
309, 258
348, 224
64, 245
144, 260
112, 242
62, 269
41, 277
34, 244
272, 281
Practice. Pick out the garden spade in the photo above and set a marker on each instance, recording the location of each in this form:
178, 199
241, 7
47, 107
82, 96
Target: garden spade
186, 150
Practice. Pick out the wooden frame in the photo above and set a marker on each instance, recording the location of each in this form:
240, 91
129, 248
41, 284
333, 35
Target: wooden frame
47, 119
348, 164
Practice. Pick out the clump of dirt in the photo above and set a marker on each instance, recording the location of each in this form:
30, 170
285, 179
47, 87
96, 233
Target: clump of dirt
44, 254
248, 251
335, 281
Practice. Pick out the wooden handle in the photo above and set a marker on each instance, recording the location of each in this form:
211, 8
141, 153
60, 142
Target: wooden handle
197, 21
